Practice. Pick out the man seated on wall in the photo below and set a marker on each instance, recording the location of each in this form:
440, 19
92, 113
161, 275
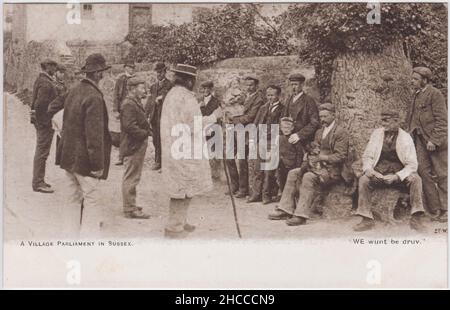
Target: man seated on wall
322, 170
389, 160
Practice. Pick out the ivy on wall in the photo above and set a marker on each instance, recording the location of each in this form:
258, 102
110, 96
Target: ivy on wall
331, 30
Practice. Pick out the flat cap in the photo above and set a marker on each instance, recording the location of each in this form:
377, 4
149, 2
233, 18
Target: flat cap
297, 77
48, 61
135, 81
251, 78
389, 112
160, 66
207, 84
423, 71
286, 119
327, 107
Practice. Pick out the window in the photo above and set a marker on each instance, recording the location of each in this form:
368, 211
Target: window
87, 11
140, 15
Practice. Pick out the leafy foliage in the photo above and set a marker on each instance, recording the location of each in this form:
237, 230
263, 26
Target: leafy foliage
331, 30
221, 33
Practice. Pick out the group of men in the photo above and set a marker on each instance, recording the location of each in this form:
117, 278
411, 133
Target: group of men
313, 146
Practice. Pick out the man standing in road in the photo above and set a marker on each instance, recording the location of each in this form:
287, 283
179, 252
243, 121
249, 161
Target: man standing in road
85, 149
44, 92
135, 130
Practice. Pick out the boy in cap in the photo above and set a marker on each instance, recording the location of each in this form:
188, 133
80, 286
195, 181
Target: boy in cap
427, 123
153, 108
135, 130
44, 92
85, 149
389, 160
120, 93
328, 154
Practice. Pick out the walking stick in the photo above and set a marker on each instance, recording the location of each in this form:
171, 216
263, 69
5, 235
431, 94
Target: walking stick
231, 192
232, 199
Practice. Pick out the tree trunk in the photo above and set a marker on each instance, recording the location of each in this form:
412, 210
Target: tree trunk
364, 84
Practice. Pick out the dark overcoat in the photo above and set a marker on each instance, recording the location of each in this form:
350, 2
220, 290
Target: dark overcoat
44, 92
85, 144
133, 126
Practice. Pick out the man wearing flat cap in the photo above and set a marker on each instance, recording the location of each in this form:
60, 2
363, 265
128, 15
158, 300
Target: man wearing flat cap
302, 109
153, 107
85, 149
327, 156
135, 130
389, 160
44, 92
427, 123
120, 93
253, 102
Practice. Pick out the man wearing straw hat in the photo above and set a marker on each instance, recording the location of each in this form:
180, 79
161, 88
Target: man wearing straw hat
85, 149
184, 175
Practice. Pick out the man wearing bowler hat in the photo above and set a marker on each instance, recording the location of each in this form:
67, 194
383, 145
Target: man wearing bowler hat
302, 109
158, 92
120, 93
85, 149
44, 92
427, 123
135, 130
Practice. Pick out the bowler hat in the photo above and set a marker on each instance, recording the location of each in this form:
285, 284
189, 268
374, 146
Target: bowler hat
207, 84
297, 77
251, 78
135, 81
423, 71
95, 62
327, 107
185, 69
159, 66
47, 62
390, 112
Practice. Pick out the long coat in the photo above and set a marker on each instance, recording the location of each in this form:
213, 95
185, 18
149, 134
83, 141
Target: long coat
134, 126
183, 175
85, 140
152, 108
44, 92
406, 152
430, 108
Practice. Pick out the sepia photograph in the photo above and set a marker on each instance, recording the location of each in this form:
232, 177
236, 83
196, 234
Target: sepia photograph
143, 140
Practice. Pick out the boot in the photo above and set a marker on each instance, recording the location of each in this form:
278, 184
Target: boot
416, 222
278, 214
442, 218
296, 221
365, 224
253, 199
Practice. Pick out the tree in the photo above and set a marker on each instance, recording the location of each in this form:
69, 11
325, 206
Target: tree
363, 68
220, 33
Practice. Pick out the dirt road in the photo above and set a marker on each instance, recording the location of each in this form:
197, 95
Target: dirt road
28, 214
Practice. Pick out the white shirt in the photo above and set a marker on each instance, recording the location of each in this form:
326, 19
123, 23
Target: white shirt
274, 105
297, 97
327, 130
207, 99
